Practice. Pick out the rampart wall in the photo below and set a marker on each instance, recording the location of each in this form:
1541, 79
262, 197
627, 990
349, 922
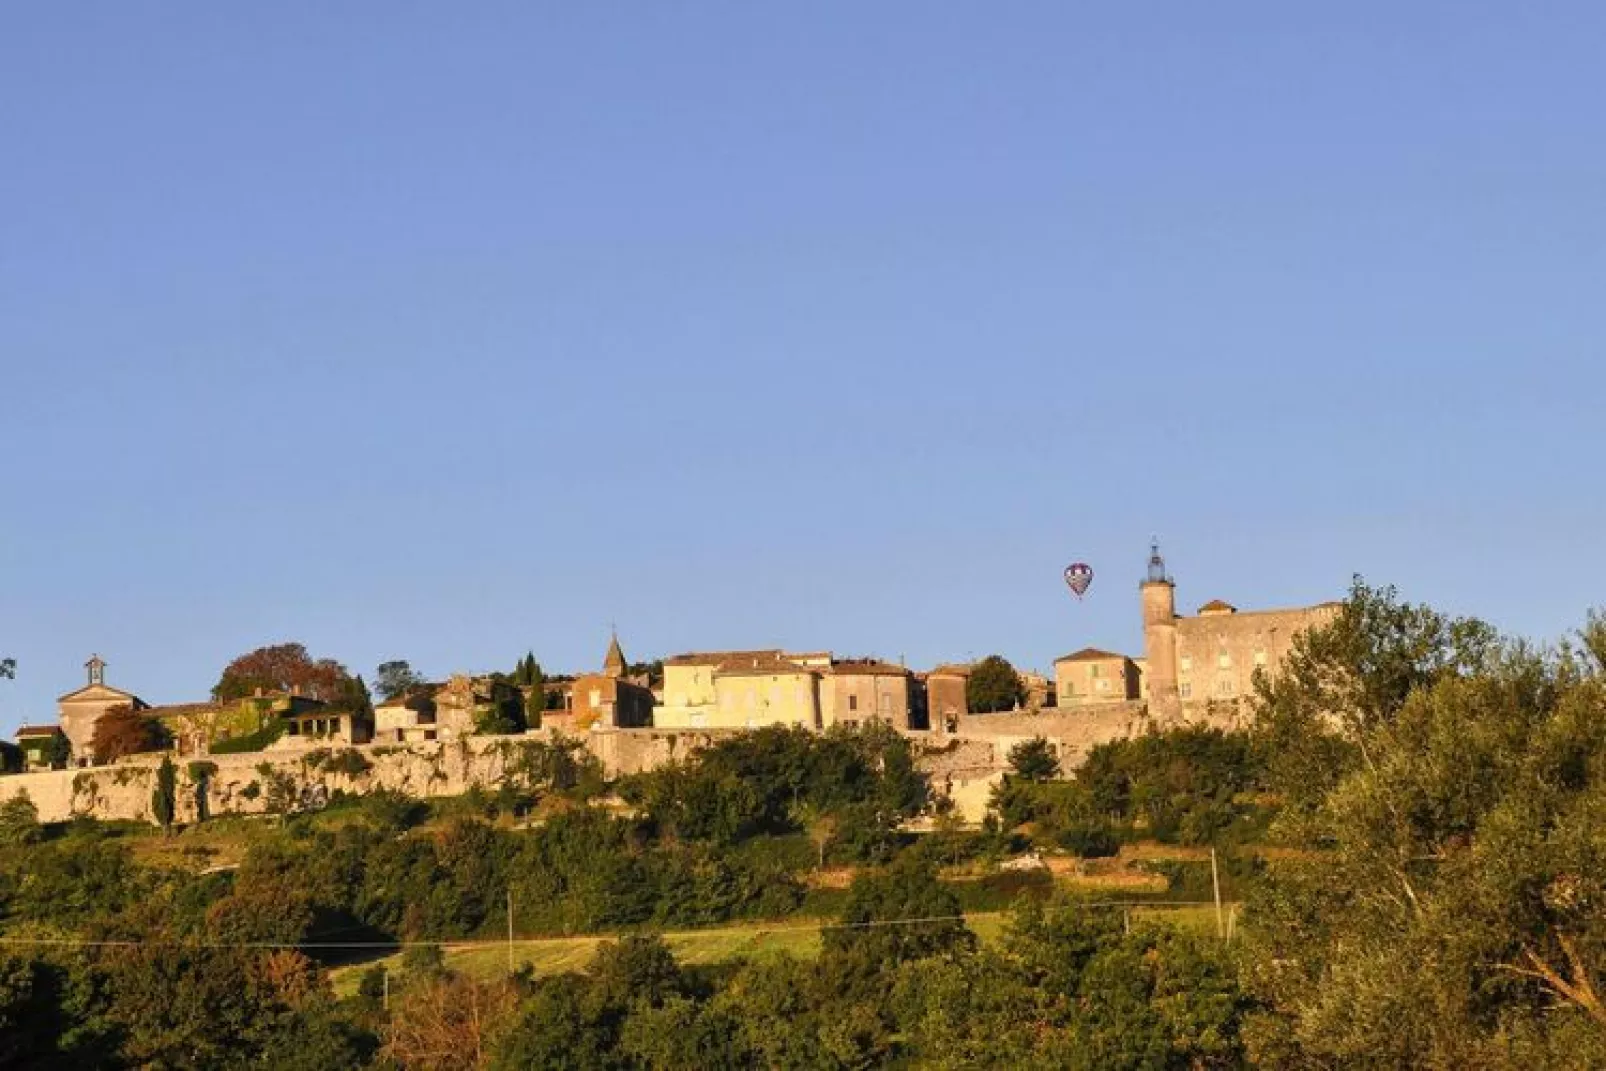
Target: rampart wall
965, 765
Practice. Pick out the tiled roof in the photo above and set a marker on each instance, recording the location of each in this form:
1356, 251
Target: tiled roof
1216, 605
714, 658
1089, 654
763, 663
950, 669
37, 730
869, 667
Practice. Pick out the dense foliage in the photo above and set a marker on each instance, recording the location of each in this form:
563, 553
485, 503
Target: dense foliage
283, 667
993, 685
122, 731
1418, 816
850, 790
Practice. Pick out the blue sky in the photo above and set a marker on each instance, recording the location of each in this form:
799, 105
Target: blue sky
444, 332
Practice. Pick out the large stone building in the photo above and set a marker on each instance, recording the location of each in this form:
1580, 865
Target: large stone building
80, 711
611, 699
1094, 676
749, 689
1211, 657
859, 690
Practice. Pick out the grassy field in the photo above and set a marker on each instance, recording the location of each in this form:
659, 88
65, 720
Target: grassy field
721, 944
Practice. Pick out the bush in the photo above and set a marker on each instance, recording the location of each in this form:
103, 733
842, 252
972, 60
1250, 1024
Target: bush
257, 741
350, 762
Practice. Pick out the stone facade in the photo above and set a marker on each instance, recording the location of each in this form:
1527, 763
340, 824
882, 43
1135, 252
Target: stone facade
1211, 658
599, 699
946, 704
856, 691
80, 711
1094, 676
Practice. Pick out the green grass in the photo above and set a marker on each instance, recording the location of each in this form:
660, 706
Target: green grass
555, 955
719, 944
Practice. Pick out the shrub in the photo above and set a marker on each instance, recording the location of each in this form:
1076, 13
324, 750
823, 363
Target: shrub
350, 762
257, 741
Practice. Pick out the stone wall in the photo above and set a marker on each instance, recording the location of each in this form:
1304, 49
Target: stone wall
964, 765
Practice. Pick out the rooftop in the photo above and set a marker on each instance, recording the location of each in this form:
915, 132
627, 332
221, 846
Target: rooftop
867, 667
758, 662
714, 658
1089, 654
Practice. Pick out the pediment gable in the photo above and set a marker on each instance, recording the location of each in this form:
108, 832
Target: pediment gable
101, 693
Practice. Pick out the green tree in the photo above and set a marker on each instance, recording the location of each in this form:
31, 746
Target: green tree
1345, 678
1034, 760
164, 797
59, 752
900, 913
993, 685
535, 684
525, 672
8, 668
396, 678
19, 821
1452, 917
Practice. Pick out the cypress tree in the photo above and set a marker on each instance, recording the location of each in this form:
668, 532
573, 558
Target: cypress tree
165, 797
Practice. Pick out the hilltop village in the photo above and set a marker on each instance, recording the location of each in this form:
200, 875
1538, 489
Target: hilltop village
1194, 668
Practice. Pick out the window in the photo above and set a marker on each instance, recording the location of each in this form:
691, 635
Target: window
1260, 657
1226, 687
1187, 663
853, 702
1104, 686
886, 703
1223, 660
1185, 690
1094, 670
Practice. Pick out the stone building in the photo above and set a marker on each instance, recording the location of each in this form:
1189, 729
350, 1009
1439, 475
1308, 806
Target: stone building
409, 717
752, 692
690, 698
1092, 675
813, 689
36, 743
611, 699
855, 691
945, 700
1212, 656
80, 711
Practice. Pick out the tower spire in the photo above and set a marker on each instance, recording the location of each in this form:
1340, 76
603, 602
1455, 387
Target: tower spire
1157, 573
614, 664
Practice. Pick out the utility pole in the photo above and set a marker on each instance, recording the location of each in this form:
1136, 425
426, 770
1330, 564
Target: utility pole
1215, 881
385, 1000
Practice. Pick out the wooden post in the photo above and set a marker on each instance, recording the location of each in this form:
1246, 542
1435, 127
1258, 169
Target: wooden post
386, 999
510, 931
1215, 881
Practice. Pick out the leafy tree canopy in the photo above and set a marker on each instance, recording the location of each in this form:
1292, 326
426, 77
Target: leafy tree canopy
395, 678
122, 730
993, 686
282, 667
1034, 760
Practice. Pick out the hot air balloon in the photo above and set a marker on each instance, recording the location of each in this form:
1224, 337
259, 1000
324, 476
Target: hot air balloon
1078, 577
